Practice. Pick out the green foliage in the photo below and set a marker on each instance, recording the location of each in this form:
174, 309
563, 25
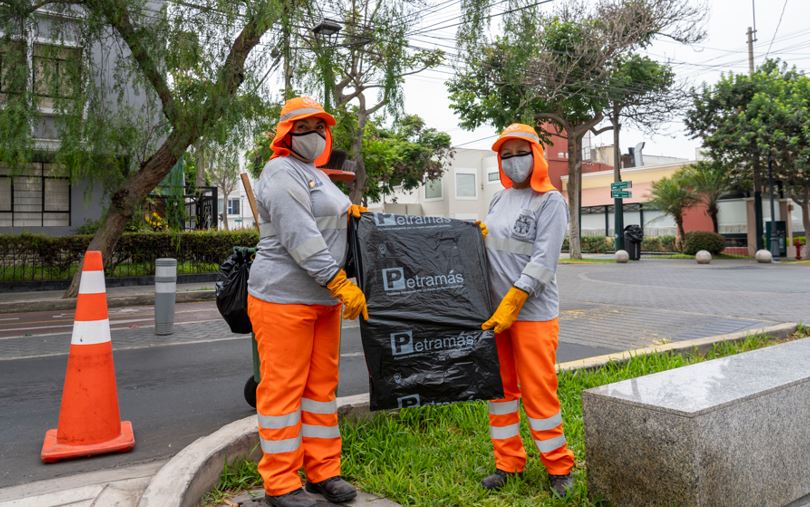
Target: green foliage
56, 257
709, 180
593, 244
702, 240
673, 196
659, 244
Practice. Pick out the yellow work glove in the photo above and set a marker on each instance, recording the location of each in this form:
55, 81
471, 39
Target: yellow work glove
354, 302
356, 209
507, 312
483, 226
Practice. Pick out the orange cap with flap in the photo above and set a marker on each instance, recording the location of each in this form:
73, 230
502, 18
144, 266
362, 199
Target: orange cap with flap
295, 109
540, 182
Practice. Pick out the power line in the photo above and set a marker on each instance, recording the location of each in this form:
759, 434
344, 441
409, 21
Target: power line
777, 28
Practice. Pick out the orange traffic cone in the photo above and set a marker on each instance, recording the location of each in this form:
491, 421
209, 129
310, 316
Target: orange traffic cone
89, 421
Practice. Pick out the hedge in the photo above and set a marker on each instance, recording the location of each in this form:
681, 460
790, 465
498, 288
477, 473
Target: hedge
602, 244
39, 257
703, 240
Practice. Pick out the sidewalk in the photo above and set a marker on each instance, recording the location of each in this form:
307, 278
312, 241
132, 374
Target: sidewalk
134, 295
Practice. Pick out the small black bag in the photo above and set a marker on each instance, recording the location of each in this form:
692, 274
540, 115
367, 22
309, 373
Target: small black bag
232, 289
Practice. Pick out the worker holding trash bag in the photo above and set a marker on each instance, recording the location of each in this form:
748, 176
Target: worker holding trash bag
296, 290
524, 232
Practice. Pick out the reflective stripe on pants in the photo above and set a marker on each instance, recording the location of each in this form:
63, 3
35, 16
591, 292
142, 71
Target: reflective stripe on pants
297, 413
527, 353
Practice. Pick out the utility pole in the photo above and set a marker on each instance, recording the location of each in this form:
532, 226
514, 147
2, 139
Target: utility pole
618, 203
751, 33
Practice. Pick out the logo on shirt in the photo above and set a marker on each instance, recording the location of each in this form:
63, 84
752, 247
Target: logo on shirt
408, 221
394, 281
403, 343
524, 227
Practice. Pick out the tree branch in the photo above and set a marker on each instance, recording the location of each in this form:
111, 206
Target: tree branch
596, 132
117, 15
29, 9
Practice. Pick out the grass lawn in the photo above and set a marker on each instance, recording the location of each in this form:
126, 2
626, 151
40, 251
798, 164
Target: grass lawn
588, 260
437, 455
692, 257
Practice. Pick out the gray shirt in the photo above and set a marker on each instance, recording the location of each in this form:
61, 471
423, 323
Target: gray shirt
526, 232
303, 219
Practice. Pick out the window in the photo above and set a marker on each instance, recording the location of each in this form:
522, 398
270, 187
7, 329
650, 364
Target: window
56, 71
433, 189
494, 176
35, 197
465, 185
233, 206
13, 67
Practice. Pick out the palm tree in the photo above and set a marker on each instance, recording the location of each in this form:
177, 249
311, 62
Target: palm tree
709, 180
672, 196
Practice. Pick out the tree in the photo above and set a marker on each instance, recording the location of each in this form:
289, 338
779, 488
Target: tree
374, 57
742, 120
223, 171
556, 69
709, 181
673, 196
208, 49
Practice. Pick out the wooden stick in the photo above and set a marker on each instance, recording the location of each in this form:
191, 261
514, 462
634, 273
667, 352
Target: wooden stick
251, 198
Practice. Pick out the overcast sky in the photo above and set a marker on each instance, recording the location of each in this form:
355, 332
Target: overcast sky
724, 49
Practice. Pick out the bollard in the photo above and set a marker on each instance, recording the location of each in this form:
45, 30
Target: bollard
165, 295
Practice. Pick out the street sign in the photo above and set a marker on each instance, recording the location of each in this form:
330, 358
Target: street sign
620, 194
621, 185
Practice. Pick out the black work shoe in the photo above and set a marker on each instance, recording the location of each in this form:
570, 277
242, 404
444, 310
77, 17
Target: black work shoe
297, 498
561, 484
497, 480
334, 489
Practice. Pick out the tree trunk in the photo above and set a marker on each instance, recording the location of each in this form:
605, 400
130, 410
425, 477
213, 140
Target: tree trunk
225, 193
360, 177
805, 205
574, 184
713, 211
129, 196
681, 232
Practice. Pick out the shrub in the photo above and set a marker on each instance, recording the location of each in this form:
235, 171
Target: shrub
592, 244
703, 240
660, 244
801, 239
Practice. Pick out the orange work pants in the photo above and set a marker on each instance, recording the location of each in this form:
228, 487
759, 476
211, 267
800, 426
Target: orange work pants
527, 352
299, 347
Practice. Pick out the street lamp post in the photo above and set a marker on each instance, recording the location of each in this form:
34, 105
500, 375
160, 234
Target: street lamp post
327, 30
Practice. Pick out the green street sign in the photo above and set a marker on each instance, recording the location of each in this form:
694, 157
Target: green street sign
619, 194
621, 185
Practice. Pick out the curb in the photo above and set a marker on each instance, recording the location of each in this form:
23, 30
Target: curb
185, 479
112, 302
191, 473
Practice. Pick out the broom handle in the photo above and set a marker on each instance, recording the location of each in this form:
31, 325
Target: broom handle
251, 198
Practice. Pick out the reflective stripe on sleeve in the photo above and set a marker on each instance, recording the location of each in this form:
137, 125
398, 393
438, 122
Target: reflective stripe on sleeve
503, 407
550, 444
299, 112
509, 245
548, 423
274, 422
331, 223
318, 407
280, 446
502, 432
308, 248
538, 272
266, 229
317, 431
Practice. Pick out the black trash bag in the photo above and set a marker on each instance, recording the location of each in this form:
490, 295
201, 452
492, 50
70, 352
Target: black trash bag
232, 289
634, 233
426, 286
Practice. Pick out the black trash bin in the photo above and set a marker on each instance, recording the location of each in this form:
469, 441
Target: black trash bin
633, 235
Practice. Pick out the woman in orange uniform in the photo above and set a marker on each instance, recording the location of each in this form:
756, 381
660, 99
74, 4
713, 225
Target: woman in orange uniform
296, 290
525, 228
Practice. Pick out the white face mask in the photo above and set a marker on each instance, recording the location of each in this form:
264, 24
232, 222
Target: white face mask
308, 145
518, 167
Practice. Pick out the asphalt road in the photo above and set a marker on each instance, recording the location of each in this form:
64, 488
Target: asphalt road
178, 388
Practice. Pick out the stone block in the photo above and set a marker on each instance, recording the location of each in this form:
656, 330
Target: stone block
703, 257
732, 431
764, 256
622, 256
